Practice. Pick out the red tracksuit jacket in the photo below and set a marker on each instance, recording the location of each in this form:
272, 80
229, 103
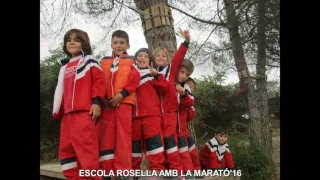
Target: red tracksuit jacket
212, 153
168, 100
88, 87
147, 101
191, 114
185, 102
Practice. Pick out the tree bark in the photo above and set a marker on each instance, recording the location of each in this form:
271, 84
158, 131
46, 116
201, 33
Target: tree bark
261, 80
162, 36
259, 131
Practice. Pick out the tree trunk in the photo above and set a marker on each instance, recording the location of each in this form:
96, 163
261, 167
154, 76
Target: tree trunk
257, 125
261, 80
161, 36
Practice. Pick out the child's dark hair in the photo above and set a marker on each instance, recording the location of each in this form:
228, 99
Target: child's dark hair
146, 50
192, 80
222, 130
121, 34
84, 39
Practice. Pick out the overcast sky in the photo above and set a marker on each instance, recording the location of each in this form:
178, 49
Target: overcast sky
137, 41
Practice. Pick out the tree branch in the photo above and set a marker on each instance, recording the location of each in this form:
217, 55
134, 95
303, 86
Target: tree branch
243, 125
114, 20
204, 42
273, 65
198, 19
133, 9
274, 59
218, 12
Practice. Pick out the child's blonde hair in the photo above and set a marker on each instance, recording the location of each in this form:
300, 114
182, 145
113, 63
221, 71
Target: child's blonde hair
158, 49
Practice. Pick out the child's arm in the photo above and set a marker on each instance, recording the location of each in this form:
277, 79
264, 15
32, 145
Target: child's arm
130, 86
57, 110
179, 55
132, 82
186, 100
191, 114
228, 159
213, 160
160, 83
97, 87
98, 83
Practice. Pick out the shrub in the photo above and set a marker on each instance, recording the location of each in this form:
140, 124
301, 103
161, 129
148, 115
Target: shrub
252, 161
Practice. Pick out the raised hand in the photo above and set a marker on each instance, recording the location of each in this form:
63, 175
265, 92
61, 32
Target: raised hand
185, 34
153, 71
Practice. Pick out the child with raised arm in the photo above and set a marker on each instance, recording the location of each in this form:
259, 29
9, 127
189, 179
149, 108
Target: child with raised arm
168, 100
146, 125
77, 100
122, 78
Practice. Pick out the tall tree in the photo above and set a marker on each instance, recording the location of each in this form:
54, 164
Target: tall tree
161, 32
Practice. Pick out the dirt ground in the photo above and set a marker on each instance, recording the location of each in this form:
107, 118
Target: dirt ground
276, 151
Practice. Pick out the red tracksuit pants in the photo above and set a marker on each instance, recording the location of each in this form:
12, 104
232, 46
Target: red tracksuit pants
147, 137
193, 151
185, 158
78, 145
115, 138
170, 139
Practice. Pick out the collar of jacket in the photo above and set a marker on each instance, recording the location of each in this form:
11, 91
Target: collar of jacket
121, 55
66, 61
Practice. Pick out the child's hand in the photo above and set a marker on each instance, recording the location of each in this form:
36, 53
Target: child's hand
153, 71
95, 110
180, 89
116, 100
106, 104
185, 34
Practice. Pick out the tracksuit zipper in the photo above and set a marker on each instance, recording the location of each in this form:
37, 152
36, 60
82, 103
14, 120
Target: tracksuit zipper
74, 83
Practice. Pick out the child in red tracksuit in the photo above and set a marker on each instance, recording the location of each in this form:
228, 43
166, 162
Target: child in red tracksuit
216, 154
77, 100
191, 143
146, 125
185, 101
169, 102
122, 79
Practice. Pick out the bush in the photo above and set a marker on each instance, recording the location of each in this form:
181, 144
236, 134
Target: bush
49, 149
217, 104
252, 162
